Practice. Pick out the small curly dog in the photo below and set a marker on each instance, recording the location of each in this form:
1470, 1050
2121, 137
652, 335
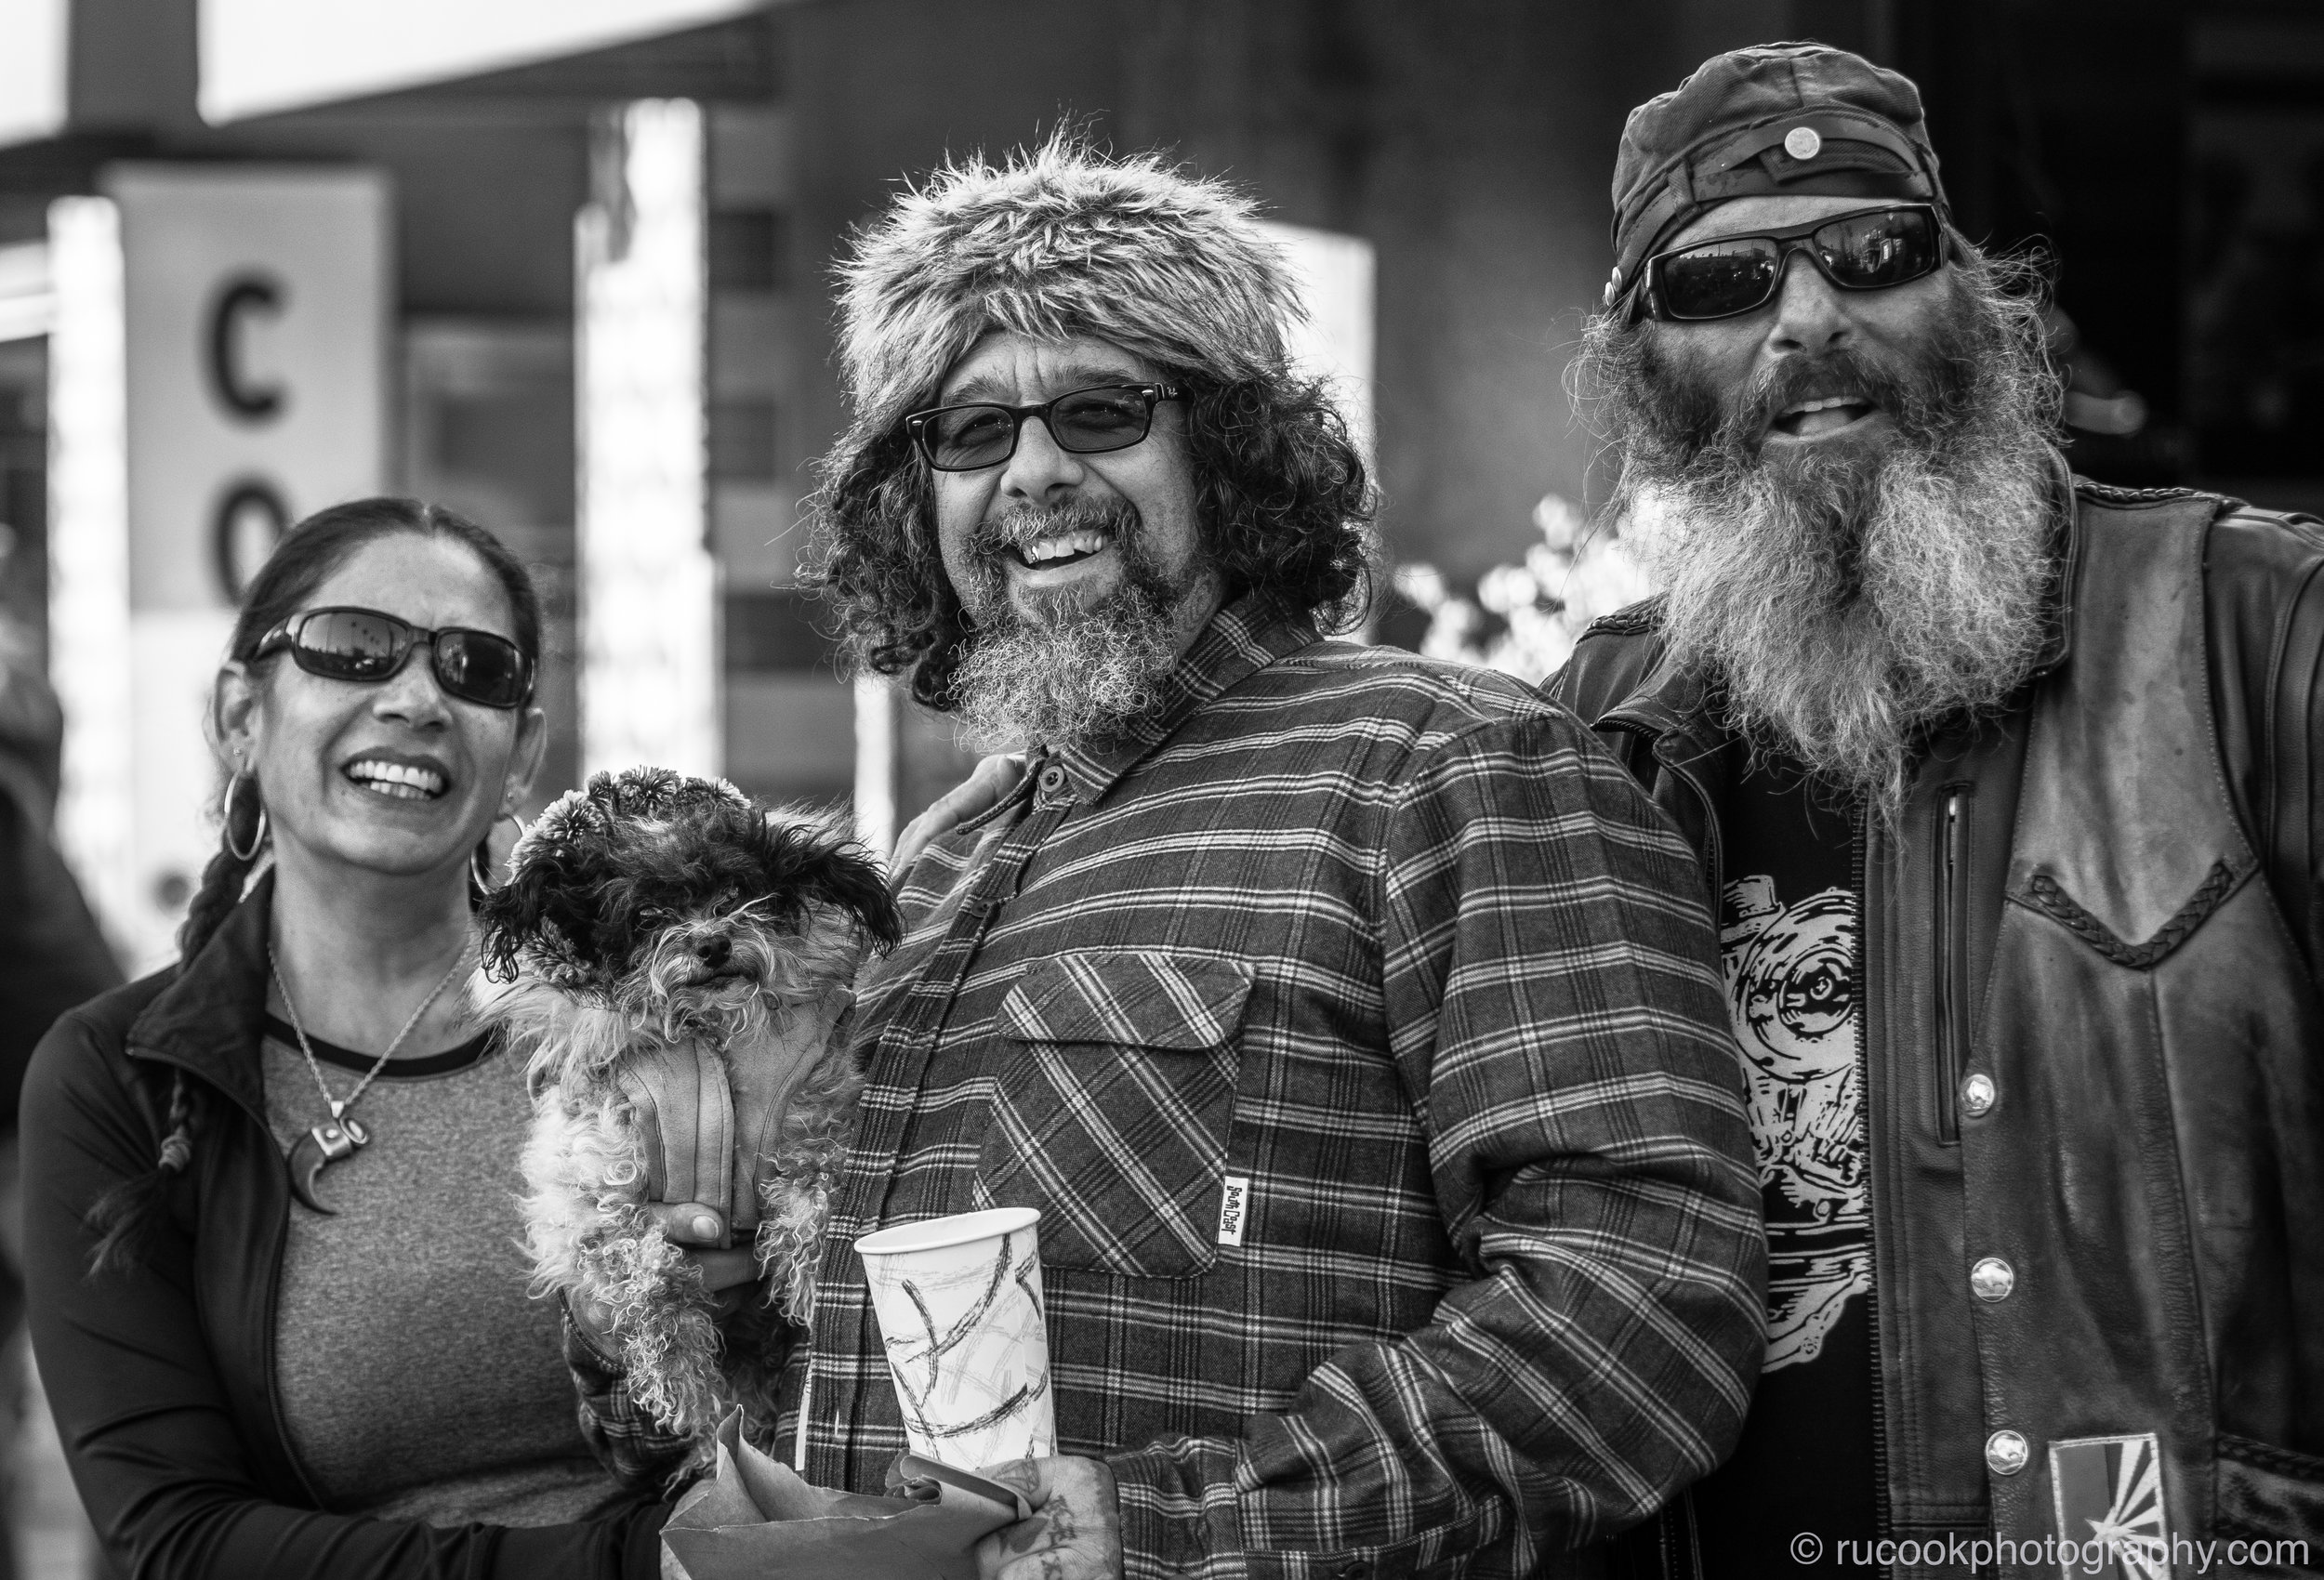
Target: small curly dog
673, 957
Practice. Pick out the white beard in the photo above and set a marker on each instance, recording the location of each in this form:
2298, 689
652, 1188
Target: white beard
1844, 614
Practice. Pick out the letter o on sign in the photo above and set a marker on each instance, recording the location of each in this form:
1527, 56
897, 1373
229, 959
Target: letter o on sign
250, 519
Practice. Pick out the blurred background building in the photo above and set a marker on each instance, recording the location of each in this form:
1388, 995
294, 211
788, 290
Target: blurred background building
562, 264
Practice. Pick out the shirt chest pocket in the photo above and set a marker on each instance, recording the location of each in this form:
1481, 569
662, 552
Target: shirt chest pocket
1113, 1100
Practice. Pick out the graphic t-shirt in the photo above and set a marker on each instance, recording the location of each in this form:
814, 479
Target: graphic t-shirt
1788, 935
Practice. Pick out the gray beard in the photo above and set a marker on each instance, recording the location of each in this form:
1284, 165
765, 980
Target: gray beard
1069, 676
1845, 608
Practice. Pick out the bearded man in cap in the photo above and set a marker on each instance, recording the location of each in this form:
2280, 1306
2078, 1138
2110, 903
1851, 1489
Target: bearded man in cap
2004, 783
1352, 1019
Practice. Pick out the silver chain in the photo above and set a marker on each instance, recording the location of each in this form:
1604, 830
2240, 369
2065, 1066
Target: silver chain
337, 1106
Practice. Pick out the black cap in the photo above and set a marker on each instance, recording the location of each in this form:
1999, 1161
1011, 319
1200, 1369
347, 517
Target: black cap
1775, 118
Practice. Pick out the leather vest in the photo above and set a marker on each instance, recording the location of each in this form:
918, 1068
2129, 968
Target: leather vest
2144, 1195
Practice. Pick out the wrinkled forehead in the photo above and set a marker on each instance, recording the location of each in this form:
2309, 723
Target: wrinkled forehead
1014, 368
1743, 215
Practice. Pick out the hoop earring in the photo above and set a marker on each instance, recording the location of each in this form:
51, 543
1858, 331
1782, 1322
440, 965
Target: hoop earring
257, 841
479, 873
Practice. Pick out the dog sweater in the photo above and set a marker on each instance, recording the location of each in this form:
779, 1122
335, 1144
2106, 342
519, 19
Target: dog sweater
418, 1379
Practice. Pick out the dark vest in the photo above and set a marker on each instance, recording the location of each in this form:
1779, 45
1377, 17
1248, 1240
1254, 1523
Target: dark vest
2166, 1267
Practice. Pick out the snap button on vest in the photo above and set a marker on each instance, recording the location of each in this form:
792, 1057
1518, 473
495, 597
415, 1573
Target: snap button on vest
1976, 1096
1992, 1279
2005, 1454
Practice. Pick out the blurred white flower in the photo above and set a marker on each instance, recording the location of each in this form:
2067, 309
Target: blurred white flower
1571, 577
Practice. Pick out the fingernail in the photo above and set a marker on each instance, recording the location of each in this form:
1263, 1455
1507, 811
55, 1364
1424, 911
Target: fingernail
706, 1227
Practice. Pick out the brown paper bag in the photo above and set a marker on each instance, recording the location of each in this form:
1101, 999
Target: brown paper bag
754, 1519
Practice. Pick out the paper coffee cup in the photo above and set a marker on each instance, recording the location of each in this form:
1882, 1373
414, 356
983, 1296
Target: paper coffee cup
961, 1310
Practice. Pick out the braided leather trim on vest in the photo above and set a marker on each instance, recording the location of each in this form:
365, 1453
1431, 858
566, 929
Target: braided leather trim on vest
2069, 913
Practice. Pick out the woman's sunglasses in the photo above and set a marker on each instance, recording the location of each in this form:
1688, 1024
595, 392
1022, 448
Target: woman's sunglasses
1084, 422
367, 647
1868, 250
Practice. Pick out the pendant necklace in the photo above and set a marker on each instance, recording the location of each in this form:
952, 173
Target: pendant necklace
339, 1136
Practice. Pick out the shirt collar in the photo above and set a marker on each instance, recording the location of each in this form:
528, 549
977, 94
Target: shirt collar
1242, 638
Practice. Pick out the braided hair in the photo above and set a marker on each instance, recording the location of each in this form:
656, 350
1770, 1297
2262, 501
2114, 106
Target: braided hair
125, 1218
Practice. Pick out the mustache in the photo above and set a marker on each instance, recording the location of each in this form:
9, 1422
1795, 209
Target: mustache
1809, 375
996, 536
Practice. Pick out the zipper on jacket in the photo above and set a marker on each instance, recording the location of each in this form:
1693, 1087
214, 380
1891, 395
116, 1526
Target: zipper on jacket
1952, 960
1859, 881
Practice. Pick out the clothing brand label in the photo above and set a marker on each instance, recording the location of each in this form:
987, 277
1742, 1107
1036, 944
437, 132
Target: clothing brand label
2110, 1510
1234, 1207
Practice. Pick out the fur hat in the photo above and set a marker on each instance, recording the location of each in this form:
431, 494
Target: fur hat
1058, 240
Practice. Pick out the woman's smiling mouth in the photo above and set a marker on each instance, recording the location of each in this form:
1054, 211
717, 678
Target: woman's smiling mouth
403, 781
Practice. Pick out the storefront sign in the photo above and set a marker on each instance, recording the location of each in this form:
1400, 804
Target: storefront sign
252, 360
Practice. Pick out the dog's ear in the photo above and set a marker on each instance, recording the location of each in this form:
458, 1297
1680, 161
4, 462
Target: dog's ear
510, 916
858, 885
533, 910
820, 859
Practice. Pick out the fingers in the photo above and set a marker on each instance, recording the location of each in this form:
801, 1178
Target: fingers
687, 1223
724, 1269
727, 1275
973, 796
1074, 1532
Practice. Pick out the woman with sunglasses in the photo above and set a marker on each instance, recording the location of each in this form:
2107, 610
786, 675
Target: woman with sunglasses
270, 1191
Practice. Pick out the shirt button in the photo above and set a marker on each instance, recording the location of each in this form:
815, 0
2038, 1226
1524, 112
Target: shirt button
2005, 1454
1992, 1279
1357, 1569
1053, 779
1976, 1096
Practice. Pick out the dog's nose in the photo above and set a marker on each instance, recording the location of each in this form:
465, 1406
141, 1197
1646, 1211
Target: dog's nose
712, 952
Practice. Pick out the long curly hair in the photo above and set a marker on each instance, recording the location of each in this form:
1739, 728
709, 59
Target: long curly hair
1285, 501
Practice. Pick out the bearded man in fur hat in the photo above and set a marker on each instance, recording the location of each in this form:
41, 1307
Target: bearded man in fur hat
2005, 785
1352, 1019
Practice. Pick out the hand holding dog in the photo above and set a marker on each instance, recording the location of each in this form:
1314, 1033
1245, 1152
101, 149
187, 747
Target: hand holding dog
726, 1275
1076, 1530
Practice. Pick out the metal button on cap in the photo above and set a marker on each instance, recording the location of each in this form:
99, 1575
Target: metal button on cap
1992, 1279
1803, 142
1976, 1096
2005, 1454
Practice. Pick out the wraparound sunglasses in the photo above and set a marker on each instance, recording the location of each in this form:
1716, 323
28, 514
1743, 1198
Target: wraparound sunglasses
367, 647
1867, 250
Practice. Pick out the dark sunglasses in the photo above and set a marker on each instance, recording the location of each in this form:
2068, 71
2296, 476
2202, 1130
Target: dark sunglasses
1084, 422
367, 647
1868, 250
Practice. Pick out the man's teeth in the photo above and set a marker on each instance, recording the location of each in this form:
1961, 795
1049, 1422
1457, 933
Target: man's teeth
1064, 546
1828, 403
400, 780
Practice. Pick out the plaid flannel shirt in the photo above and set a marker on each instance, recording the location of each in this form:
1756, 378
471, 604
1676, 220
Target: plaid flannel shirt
1401, 946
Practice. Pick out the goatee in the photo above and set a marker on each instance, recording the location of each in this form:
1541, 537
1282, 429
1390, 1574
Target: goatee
1846, 603
1064, 674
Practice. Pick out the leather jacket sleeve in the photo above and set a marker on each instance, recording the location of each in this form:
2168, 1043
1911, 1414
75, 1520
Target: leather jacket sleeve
149, 1431
2263, 592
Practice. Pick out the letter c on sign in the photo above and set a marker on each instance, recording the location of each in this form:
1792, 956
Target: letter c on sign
247, 502
241, 295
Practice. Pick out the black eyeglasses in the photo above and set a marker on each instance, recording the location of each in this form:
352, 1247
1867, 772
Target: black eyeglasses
367, 647
1868, 250
1084, 422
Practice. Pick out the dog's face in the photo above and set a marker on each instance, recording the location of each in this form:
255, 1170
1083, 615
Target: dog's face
676, 897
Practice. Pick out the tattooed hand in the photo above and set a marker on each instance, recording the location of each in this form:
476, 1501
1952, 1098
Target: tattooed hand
1074, 1533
